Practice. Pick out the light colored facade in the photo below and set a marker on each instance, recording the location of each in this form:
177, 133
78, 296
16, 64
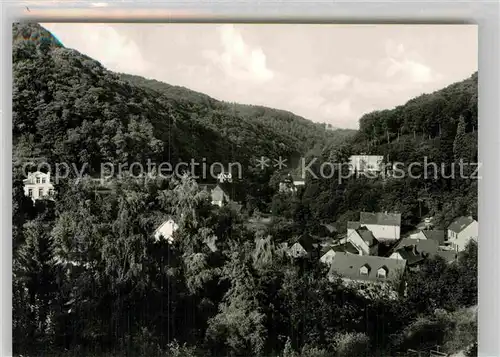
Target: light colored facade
355, 239
219, 197
166, 230
458, 237
299, 182
383, 225
38, 186
328, 257
366, 163
396, 255
384, 232
297, 251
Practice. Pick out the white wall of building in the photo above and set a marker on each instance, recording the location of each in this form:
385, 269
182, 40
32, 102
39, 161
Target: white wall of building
38, 185
459, 240
366, 162
358, 242
328, 257
166, 230
384, 232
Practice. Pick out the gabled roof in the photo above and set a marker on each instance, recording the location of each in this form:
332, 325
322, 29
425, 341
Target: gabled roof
408, 254
305, 241
213, 188
428, 246
460, 224
435, 235
348, 265
346, 247
379, 218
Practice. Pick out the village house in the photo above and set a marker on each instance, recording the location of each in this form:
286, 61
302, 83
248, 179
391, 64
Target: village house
361, 238
290, 183
38, 186
461, 231
432, 234
415, 251
384, 226
220, 195
166, 230
380, 271
303, 247
365, 163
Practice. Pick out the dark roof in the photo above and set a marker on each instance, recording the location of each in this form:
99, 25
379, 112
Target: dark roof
305, 241
346, 247
367, 236
353, 225
411, 257
435, 235
428, 246
386, 219
460, 224
349, 248
348, 265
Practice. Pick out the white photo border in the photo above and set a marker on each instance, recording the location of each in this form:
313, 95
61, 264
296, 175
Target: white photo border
484, 13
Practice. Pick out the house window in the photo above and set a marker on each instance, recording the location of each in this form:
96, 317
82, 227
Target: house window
38, 180
43, 179
30, 192
381, 273
40, 192
51, 192
364, 270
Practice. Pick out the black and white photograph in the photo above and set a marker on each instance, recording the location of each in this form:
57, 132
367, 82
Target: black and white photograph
236, 189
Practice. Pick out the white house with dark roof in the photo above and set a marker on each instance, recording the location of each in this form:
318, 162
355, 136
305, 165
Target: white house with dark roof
219, 194
328, 253
384, 226
432, 234
362, 239
461, 231
166, 230
38, 186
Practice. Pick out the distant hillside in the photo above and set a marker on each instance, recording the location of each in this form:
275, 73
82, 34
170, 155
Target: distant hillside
68, 108
306, 133
428, 117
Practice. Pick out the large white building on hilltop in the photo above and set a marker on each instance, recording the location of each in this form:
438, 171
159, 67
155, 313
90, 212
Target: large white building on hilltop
366, 163
38, 186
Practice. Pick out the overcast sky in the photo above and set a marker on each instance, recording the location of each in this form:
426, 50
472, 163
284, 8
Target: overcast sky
326, 73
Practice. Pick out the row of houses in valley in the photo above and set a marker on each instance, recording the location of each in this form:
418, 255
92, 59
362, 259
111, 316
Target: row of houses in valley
374, 251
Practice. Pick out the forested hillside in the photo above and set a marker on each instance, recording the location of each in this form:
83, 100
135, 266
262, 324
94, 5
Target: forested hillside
439, 128
305, 133
68, 108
